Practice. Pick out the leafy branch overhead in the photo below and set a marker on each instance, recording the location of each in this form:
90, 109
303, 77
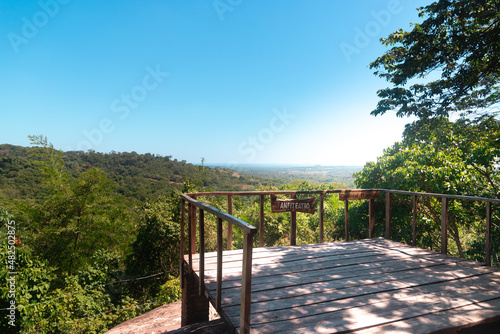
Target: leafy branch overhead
458, 43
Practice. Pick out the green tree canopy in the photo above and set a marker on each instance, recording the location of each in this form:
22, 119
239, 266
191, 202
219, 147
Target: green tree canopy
440, 156
458, 41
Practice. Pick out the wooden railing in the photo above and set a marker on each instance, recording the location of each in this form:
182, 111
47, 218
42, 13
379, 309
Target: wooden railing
249, 231
444, 216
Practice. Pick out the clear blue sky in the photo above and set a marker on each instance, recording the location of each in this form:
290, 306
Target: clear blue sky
232, 81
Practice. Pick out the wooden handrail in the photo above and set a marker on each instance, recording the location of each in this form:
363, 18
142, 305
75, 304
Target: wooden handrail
470, 198
244, 226
246, 278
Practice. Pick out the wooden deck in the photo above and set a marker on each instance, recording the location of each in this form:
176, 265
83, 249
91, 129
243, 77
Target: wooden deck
366, 286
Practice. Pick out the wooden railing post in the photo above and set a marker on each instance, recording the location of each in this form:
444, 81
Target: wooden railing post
218, 292
293, 226
229, 225
246, 284
388, 214
202, 251
371, 214
346, 209
444, 225
183, 213
192, 231
415, 216
487, 255
321, 216
261, 222
191, 244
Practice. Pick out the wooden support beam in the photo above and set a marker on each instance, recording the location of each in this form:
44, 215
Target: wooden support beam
371, 214
246, 284
444, 225
229, 225
183, 236
415, 216
388, 214
192, 231
190, 237
261, 222
487, 255
293, 226
202, 252
346, 209
321, 217
218, 293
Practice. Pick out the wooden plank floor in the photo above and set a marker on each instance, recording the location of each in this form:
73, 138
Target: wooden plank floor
366, 286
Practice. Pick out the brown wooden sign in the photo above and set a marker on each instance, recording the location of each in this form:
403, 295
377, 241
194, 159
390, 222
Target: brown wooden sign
293, 205
348, 195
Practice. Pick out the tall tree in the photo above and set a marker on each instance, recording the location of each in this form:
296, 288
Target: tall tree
458, 41
78, 216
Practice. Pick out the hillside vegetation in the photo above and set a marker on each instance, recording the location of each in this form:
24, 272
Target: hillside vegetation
96, 236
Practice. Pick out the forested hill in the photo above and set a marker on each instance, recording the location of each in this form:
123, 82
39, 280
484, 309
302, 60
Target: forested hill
140, 176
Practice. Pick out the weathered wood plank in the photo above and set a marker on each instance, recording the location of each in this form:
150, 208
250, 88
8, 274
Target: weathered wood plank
368, 286
379, 312
455, 319
464, 288
265, 292
266, 269
313, 293
271, 268
316, 250
336, 272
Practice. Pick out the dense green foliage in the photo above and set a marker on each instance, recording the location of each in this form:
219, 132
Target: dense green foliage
458, 42
456, 51
458, 158
96, 235
135, 176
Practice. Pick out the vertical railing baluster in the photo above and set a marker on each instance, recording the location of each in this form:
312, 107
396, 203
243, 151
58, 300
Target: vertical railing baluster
371, 214
487, 255
444, 225
190, 237
246, 284
388, 214
261, 222
293, 226
229, 225
415, 216
218, 292
192, 234
321, 217
183, 213
346, 209
202, 251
